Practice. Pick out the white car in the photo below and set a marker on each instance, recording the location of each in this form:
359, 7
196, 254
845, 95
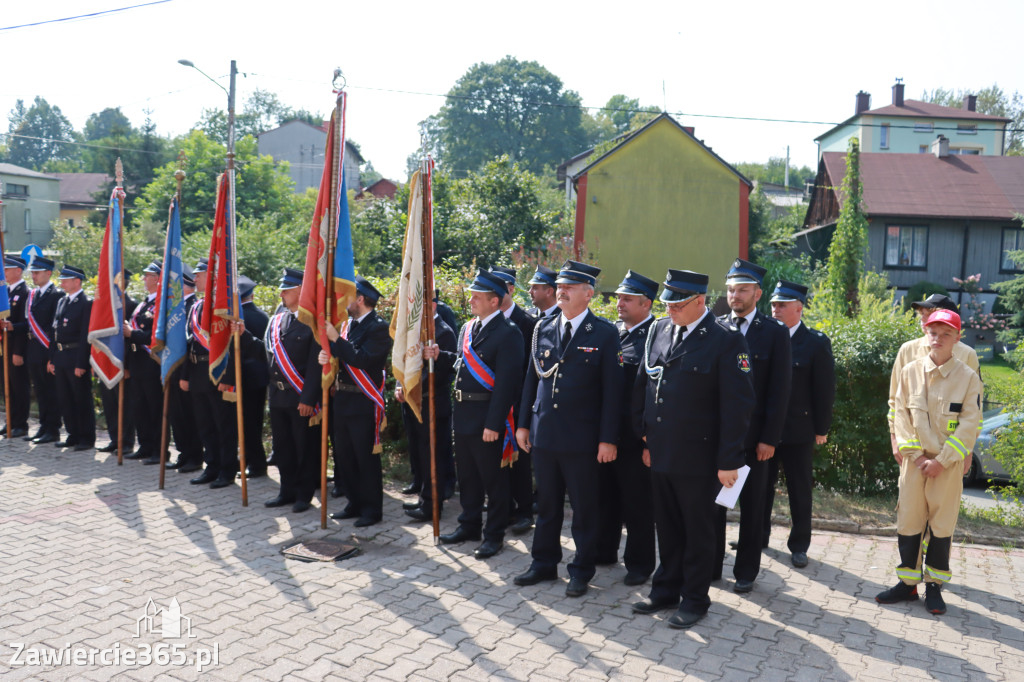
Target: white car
984, 465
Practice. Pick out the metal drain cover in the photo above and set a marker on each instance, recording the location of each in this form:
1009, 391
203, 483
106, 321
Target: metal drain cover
321, 550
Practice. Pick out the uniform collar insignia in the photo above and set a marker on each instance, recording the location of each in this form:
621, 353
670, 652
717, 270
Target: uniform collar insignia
589, 327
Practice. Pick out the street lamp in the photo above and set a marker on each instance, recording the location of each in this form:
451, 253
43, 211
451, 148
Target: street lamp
231, 105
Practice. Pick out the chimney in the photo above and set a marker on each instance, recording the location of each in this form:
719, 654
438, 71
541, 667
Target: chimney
897, 93
863, 102
970, 102
940, 147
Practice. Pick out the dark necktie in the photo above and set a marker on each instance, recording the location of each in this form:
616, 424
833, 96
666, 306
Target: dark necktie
677, 338
476, 328
738, 321
566, 335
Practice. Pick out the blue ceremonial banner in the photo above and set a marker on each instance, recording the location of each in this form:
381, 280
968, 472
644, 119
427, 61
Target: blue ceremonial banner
169, 326
107, 317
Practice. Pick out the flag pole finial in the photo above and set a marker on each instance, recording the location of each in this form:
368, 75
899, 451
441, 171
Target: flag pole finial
119, 172
338, 76
179, 175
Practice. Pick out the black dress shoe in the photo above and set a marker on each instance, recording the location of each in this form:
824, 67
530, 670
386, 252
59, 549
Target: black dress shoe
344, 514
521, 526
458, 535
38, 434
419, 514
221, 482
3, 431
176, 464
301, 506
649, 606
138, 454
364, 521
577, 587
19, 433
634, 578
279, 501
67, 443
189, 468
534, 576
109, 447
799, 559
205, 477
412, 489
733, 544
155, 459
412, 505
743, 586
680, 620
488, 549
84, 446
337, 492
258, 473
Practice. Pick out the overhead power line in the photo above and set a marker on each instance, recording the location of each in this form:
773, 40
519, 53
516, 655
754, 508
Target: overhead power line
91, 15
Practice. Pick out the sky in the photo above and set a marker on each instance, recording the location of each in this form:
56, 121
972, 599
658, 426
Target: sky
711, 64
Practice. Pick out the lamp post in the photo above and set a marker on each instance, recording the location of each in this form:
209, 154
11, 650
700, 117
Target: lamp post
230, 92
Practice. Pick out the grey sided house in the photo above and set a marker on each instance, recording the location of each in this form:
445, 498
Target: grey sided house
930, 216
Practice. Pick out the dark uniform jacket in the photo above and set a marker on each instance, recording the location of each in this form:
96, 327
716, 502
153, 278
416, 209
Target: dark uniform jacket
142, 319
44, 306
814, 387
444, 367
500, 347
69, 348
525, 323
303, 350
17, 336
696, 418
632, 343
588, 381
367, 348
768, 344
255, 374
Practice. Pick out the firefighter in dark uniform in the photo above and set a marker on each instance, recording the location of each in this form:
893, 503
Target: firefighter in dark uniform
180, 410
111, 396
808, 418
147, 395
294, 395
418, 433
542, 293
570, 410
488, 378
69, 361
17, 344
255, 379
692, 402
625, 485
520, 473
41, 307
215, 414
772, 372
359, 404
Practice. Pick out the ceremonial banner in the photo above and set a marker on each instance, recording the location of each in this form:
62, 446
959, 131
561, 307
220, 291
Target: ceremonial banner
414, 304
170, 323
107, 318
318, 276
221, 292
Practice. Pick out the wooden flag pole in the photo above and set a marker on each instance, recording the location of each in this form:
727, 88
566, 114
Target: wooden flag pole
332, 238
7, 366
119, 188
427, 235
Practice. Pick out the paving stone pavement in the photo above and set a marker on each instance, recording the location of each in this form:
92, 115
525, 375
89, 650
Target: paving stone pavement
85, 544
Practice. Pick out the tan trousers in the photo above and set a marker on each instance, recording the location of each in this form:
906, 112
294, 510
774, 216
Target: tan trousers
931, 502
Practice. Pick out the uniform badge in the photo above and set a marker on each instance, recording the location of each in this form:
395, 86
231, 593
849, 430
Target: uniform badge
952, 424
589, 327
620, 359
743, 362
547, 353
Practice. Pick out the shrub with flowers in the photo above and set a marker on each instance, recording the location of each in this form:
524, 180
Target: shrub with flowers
975, 316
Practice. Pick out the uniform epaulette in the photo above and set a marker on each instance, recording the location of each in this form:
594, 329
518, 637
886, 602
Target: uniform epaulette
726, 324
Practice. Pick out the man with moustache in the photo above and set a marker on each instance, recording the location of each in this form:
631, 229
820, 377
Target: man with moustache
488, 377
16, 329
625, 484
692, 403
570, 411
69, 361
40, 309
772, 373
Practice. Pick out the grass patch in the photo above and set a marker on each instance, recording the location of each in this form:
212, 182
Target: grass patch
999, 376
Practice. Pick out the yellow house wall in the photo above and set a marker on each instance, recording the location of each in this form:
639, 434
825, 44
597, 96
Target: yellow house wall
77, 215
659, 202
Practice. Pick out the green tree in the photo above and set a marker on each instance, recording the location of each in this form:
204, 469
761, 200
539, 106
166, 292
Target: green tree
619, 115
106, 123
849, 244
261, 186
993, 101
774, 171
39, 134
262, 111
510, 107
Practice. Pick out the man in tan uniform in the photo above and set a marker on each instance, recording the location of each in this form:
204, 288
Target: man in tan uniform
919, 348
937, 415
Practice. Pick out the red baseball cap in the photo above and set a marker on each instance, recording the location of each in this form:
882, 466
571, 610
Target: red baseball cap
943, 316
